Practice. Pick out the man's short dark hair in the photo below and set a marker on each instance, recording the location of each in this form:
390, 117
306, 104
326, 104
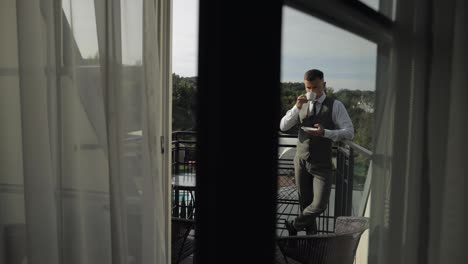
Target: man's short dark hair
313, 74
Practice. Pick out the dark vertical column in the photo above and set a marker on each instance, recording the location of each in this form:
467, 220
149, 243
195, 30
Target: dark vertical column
237, 125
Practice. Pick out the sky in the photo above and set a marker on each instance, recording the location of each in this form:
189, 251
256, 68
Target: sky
82, 17
185, 37
347, 60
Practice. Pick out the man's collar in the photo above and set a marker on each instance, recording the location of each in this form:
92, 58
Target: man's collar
322, 98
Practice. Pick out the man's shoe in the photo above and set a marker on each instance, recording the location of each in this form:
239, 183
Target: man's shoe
303, 222
311, 230
290, 227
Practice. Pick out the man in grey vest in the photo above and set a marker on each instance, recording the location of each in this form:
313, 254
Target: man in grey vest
322, 120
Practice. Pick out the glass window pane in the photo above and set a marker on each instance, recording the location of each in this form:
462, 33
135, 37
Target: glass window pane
185, 37
81, 17
184, 61
184, 88
132, 33
84, 178
349, 64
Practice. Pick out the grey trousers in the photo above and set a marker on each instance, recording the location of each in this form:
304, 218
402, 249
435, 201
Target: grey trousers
313, 187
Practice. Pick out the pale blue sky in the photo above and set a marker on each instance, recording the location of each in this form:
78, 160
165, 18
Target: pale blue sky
348, 61
185, 37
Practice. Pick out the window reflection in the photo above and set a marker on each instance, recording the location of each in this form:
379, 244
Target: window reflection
349, 66
81, 16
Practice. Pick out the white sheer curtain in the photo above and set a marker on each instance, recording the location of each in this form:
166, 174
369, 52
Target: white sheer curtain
85, 117
418, 210
447, 141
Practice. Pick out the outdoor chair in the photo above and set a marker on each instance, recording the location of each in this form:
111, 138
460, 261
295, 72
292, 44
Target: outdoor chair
335, 248
280, 258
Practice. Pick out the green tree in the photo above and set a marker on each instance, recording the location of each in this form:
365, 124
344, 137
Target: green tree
289, 93
359, 105
183, 98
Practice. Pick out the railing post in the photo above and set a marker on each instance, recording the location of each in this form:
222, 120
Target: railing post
349, 183
183, 206
190, 209
175, 171
176, 203
344, 182
176, 158
340, 164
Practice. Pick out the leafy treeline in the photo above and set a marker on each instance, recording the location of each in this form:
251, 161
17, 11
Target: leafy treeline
183, 102
358, 103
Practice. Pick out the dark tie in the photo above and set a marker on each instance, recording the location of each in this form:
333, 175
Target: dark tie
314, 111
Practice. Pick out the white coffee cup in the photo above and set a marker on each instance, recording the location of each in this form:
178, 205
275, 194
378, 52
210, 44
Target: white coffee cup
311, 96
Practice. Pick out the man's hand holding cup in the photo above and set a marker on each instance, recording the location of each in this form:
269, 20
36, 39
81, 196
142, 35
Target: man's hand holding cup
302, 99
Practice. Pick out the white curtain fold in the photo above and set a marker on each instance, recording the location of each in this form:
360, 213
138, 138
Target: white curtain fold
448, 179
419, 167
36, 62
84, 117
156, 47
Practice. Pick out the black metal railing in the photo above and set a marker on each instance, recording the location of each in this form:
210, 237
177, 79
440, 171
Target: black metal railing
344, 175
288, 200
345, 189
360, 166
183, 168
183, 152
341, 200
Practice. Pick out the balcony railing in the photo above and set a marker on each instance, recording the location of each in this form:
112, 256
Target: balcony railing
183, 166
350, 187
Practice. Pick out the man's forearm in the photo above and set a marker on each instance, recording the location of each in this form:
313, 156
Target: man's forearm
343, 122
290, 119
340, 134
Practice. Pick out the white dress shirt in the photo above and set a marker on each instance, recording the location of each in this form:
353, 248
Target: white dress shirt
344, 127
